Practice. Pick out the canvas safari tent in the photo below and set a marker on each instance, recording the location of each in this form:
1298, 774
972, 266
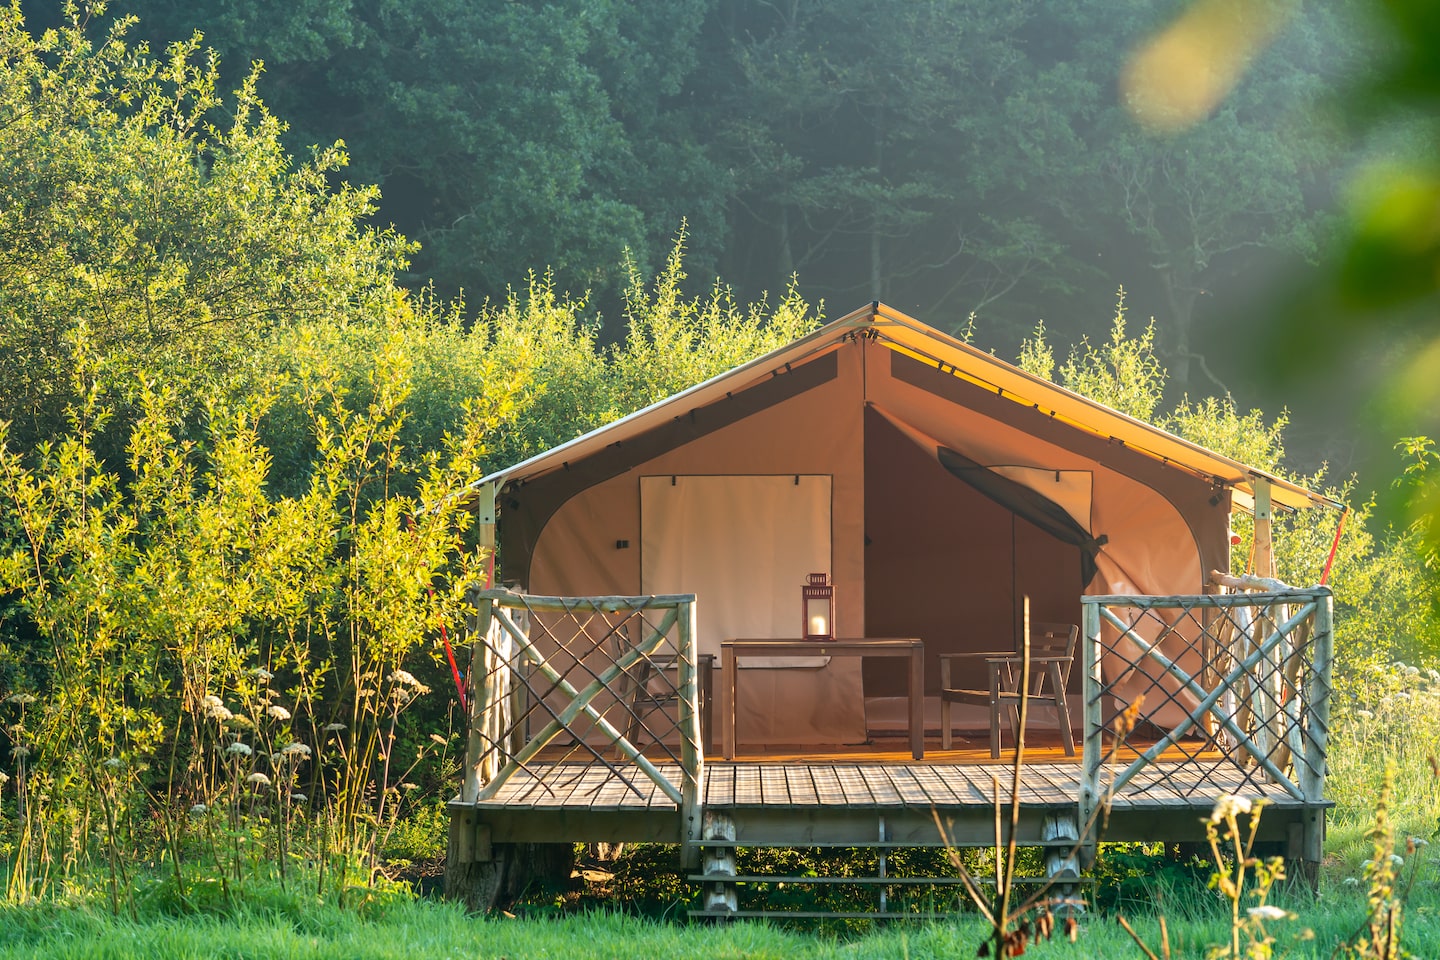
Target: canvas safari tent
936, 484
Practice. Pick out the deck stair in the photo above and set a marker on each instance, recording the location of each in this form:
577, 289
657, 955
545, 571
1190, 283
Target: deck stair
892, 900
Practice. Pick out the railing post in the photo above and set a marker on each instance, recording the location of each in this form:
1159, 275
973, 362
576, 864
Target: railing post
478, 692
692, 747
1317, 703
1093, 743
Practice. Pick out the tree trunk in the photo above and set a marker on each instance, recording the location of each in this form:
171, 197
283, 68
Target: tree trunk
1181, 292
501, 873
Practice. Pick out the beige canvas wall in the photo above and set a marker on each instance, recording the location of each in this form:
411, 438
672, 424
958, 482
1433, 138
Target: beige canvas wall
815, 433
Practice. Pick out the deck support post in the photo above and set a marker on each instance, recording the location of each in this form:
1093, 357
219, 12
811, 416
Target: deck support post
692, 747
1316, 741
473, 872
720, 898
1062, 862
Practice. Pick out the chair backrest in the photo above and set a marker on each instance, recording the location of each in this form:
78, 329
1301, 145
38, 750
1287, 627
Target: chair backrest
1053, 640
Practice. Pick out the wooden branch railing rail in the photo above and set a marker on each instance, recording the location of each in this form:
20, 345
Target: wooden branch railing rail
555, 677
1240, 681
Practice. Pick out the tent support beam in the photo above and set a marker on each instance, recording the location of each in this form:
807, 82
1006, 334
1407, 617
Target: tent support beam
1264, 537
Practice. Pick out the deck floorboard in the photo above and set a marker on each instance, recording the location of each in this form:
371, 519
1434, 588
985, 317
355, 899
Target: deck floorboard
848, 781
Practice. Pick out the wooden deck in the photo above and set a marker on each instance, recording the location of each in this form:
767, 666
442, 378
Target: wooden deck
838, 799
569, 752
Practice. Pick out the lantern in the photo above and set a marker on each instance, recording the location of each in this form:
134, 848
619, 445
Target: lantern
817, 602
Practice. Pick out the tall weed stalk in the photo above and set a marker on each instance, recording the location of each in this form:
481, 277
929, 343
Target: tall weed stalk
221, 663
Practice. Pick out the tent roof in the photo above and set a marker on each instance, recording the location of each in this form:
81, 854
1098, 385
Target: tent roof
913, 338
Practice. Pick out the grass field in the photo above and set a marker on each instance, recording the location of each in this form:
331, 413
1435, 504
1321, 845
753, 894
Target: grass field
1388, 718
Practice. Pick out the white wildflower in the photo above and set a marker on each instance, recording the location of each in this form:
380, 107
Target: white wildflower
334, 727
1267, 911
113, 763
240, 720
1412, 671
295, 750
438, 739
258, 778
1433, 675
22, 699
20, 752
4, 778
1364, 714
298, 798
1351, 881
1227, 805
263, 675
404, 678
1418, 842
407, 787
198, 810
215, 708
238, 749
278, 712
1396, 860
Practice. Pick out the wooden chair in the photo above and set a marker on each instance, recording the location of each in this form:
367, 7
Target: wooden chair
653, 685
1052, 651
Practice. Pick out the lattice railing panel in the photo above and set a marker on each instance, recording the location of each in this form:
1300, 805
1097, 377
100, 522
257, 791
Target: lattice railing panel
601, 680
1230, 683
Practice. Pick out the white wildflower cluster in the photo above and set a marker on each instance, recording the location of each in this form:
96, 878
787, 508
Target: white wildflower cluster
238, 749
334, 727
263, 675
298, 751
4, 778
198, 810
278, 712
214, 708
258, 779
1268, 911
21, 699
406, 685
1229, 806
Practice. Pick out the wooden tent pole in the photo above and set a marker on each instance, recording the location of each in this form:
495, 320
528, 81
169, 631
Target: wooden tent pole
1264, 539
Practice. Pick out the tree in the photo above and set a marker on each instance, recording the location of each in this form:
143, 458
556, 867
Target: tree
870, 145
506, 136
176, 243
1191, 206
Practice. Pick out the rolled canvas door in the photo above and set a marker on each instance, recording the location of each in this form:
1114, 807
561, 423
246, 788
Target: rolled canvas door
743, 545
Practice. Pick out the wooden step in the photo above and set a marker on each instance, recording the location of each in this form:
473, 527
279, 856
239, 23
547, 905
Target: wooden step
988, 881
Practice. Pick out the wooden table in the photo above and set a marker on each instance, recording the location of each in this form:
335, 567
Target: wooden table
733, 650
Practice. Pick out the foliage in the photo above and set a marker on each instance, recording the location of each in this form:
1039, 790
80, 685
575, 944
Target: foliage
1123, 373
177, 240
506, 136
204, 645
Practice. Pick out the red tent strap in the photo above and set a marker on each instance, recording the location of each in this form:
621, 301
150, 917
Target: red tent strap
454, 670
1325, 577
445, 639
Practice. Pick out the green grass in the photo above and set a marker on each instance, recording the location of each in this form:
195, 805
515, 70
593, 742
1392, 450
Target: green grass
1389, 714
433, 930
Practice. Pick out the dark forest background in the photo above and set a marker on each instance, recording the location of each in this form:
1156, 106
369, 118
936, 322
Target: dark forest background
950, 158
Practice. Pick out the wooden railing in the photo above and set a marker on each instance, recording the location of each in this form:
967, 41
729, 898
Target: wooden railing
1235, 681
611, 679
